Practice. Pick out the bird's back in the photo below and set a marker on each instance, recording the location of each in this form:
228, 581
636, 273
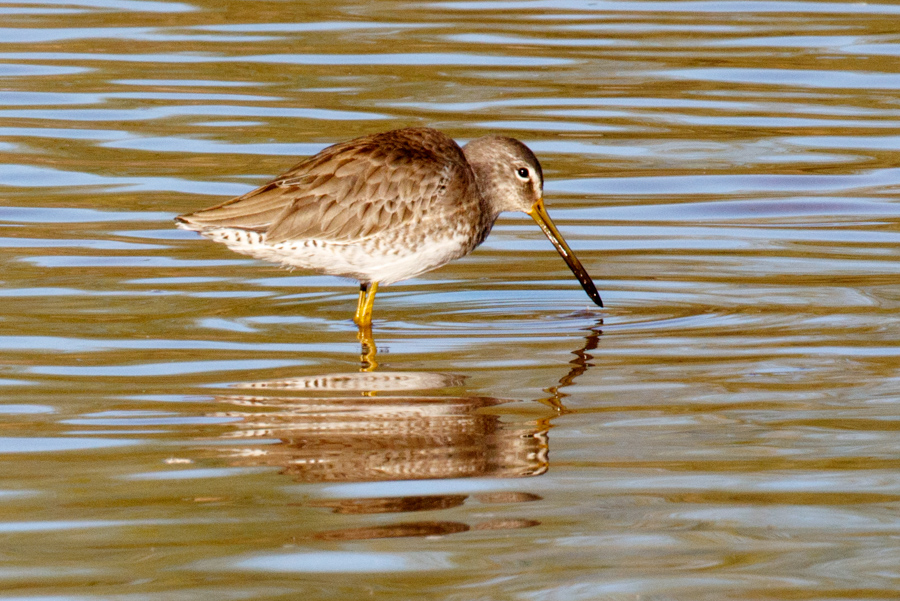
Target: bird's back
350, 190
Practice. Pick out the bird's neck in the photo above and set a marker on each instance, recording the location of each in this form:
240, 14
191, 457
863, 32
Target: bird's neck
488, 191
488, 212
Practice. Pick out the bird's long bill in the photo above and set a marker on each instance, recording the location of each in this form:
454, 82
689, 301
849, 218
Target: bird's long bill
539, 214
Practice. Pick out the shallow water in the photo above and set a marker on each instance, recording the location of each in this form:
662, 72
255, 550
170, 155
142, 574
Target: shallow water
180, 422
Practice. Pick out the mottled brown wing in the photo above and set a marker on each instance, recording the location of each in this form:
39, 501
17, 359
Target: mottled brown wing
350, 191
258, 209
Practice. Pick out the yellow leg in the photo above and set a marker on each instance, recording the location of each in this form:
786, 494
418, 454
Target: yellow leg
363, 318
364, 306
360, 304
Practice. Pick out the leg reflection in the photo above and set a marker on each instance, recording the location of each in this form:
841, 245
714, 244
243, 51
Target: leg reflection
367, 348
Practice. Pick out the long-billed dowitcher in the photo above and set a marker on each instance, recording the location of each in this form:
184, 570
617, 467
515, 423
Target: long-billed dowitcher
386, 207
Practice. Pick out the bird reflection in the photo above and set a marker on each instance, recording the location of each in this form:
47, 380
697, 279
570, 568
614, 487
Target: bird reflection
363, 429
373, 426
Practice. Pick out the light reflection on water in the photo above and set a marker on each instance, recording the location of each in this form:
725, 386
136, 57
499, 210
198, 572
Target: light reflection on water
726, 427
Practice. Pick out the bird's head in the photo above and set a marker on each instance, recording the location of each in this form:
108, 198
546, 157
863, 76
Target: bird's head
510, 178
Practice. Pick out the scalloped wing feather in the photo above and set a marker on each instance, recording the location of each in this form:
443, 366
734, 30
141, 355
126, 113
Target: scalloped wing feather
350, 191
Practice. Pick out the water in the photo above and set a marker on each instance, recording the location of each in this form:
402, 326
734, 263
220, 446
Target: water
179, 422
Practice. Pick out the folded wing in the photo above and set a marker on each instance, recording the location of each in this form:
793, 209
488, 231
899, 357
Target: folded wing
349, 191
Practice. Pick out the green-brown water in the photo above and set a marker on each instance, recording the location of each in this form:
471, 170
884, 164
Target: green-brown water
179, 422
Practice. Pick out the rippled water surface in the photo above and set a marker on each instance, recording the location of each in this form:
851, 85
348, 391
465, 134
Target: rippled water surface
180, 422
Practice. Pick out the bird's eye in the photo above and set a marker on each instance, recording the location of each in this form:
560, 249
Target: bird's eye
522, 172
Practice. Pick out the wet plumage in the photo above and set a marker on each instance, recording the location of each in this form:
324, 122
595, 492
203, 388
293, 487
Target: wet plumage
385, 207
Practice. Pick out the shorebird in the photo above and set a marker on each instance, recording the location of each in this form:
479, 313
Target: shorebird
386, 207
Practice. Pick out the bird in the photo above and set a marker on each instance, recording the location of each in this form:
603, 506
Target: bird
386, 207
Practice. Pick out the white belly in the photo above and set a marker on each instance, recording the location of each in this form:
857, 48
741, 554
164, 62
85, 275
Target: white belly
369, 260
